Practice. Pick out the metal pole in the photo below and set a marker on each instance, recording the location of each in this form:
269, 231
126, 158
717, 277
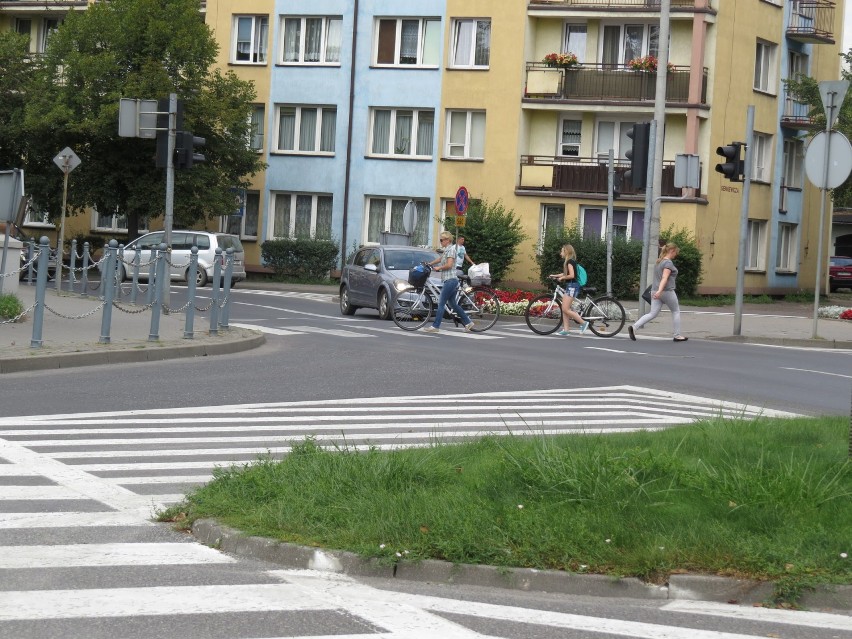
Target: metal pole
5, 251
646, 275
741, 255
108, 278
168, 218
41, 288
61, 240
609, 213
226, 288
214, 292
189, 327
159, 286
84, 289
30, 268
72, 265
134, 287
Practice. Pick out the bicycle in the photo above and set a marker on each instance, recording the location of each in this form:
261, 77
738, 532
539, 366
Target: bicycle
414, 306
605, 314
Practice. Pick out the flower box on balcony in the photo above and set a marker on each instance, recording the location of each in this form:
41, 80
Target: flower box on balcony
561, 60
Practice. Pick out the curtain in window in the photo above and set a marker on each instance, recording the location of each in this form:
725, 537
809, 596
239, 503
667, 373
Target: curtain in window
257, 128
606, 137
408, 41
421, 223
477, 135
425, 132
292, 36
633, 34
654, 40
457, 133
376, 221
482, 53
104, 220
328, 131
286, 129
396, 222
624, 142
571, 137
332, 40
611, 37
244, 29
554, 219
313, 39
251, 213
431, 43
575, 41
402, 136
464, 41
592, 224
323, 226
262, 39
381, 131
303, 217
308, 130
386, 53
281, 220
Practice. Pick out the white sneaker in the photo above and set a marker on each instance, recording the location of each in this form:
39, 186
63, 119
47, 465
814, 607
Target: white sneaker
430, 329
469, 327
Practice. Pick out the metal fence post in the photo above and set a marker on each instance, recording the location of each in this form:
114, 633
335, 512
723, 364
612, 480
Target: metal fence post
157, 308
104, 272
119, 272
30, 268
191, 275
134, 287
41, 288
229, 273
214, 292
85, 279
108, 284
72, 261
152, 270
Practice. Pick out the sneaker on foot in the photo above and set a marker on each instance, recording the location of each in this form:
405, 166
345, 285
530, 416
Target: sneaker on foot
631, 333
680, 338
563, 333
469, 327
584, 327
430, 329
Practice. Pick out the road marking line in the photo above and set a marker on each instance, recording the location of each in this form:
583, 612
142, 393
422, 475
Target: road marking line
267, 329
71, 520
806, 370
764, 615
40, 492
134, 554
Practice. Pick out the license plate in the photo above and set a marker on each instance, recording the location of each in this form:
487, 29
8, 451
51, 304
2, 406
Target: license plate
843, 274
238, 262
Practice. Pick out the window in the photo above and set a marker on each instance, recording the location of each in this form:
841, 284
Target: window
570, 138
48, 28
552, 220
797, 64
794, 154
764, 71
575, 41
243, 221
251, 38
762, 157
755, 242
624, 42
471, 43
113, 222
24, 26
626, 223
306, 129
302, 216
402, 132
407, 41
312, 40
613, 135
386, 214
465, 134
787, 258
256, 125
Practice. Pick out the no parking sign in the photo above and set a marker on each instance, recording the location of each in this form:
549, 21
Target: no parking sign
462, 200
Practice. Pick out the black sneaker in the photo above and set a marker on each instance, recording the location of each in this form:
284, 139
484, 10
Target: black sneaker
631, 333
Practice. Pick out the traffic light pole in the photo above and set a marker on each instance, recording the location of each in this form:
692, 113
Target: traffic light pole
168, 218
609, 212
741, 255
646, 226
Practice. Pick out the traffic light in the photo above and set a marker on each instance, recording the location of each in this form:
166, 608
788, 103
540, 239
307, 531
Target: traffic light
637, 155
734, 167
185, 155
163, 129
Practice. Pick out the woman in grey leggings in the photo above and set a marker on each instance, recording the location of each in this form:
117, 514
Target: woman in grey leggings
665, 275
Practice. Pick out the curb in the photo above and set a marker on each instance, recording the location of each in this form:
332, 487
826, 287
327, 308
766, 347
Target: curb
786, 341
689, 587
149, 352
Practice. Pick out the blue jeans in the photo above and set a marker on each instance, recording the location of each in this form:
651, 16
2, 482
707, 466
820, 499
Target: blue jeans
448, 296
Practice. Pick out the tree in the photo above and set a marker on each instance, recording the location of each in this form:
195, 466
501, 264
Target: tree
136, 49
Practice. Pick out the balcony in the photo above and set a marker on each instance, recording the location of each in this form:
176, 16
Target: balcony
811, 21
605, 82
797, 114
42, 5
582, 176
619, 5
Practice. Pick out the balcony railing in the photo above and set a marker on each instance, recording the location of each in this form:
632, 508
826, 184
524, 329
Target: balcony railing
603, 82
584, 176
812, 21
797, 114
619, 4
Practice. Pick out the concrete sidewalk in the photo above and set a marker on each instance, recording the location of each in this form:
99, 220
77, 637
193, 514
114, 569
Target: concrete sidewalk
77, 341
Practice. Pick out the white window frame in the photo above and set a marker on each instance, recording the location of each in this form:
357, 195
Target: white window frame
48, 27
469, 146
756, 246
114, 226
787, 257
427, 28
246, 211
290, 200
620, 142
628, 226
423, 205
648, 37
323, 111
548, 210
258, 42
579, 51
327, 30
764, 66
794, 159
762, 165
415, 128
257, 127
470, 54
561, 144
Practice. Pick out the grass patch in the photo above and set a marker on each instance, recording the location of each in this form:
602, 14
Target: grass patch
10, 306
765, 499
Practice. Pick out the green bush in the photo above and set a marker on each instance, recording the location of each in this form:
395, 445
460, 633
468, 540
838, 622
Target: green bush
10, 306
492, 234
312, 259
626, 260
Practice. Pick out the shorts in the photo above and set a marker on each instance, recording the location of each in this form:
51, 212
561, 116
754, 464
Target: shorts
572, 289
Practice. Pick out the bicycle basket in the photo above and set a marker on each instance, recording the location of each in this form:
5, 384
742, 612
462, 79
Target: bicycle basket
418, 275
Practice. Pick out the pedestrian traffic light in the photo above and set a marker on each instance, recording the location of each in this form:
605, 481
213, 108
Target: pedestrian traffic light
185, 155
733, 167
163, 130
637, 155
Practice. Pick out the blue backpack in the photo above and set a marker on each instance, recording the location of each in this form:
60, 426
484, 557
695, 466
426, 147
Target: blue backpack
580, 275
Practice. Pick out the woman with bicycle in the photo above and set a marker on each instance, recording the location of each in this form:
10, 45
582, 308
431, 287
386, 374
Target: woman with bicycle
568, 278
449, 286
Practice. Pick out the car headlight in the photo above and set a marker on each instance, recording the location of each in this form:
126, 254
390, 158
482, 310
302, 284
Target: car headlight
401, 285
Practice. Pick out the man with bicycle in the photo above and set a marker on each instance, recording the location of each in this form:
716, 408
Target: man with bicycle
449, 285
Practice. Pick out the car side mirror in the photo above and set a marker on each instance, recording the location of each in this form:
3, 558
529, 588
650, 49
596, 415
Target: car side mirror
371, 267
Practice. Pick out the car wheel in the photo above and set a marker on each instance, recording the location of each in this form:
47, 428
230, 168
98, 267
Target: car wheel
200, 277
384, 305
346, 307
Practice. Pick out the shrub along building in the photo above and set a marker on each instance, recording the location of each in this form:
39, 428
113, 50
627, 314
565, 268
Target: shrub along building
366, 106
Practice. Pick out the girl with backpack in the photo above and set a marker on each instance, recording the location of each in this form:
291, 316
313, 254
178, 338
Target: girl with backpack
568, 278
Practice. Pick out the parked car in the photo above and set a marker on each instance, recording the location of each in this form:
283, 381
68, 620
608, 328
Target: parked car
182, 243
839, 272
376, 273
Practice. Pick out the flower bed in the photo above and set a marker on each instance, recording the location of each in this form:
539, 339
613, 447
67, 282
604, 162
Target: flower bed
514, 302
835, 312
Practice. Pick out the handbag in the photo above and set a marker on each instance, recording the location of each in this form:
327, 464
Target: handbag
646, 295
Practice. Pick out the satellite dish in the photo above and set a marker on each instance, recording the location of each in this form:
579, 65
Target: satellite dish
409, 217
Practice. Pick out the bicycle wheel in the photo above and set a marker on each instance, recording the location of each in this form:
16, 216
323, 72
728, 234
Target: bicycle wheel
412, 309
543, 315
483, 307
605, 316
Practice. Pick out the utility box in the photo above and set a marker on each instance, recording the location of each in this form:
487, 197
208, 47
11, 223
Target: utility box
13, 262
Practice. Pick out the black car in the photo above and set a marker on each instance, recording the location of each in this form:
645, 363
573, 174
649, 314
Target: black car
375, 274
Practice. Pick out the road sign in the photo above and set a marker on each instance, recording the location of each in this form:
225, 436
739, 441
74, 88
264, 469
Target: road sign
839, 160
460, 220
462, 200
838, 88
66, 160
687, 172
